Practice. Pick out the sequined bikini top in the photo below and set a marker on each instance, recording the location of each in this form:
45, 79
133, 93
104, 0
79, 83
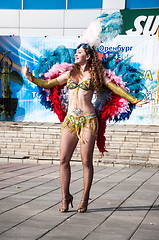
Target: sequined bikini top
85, 85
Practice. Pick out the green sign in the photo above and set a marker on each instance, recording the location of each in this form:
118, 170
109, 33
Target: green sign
140, 21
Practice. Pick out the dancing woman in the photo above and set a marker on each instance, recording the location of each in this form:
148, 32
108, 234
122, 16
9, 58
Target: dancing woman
81, 123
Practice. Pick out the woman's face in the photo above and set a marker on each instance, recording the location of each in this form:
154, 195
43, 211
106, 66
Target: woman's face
81, 57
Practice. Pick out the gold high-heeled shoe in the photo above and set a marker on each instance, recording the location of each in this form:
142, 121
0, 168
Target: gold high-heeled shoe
65, 204
83, 206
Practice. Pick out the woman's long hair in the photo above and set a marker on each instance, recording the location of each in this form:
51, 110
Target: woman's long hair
96, 69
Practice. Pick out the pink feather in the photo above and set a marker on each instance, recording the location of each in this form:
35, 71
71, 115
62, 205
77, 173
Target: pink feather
118, 80
57, 70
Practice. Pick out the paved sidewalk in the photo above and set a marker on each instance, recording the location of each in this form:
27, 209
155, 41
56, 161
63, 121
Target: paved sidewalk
124, 204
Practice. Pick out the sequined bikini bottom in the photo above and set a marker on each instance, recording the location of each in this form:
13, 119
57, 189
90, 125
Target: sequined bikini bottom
76, 124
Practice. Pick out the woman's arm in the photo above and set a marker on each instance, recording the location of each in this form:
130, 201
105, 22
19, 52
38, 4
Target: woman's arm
123, 93
43, 83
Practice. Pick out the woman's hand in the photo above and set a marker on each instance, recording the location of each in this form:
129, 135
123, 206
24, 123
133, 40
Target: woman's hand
26, 72
142, 102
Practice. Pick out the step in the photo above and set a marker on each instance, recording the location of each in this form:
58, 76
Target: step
127, 144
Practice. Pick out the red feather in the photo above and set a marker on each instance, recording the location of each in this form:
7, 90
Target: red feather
106, 114
56, 102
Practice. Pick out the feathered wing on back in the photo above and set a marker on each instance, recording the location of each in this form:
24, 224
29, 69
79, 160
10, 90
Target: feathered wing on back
51, 65
111, 107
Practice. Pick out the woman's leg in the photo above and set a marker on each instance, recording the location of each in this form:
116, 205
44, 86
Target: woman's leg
87, 149
67, 146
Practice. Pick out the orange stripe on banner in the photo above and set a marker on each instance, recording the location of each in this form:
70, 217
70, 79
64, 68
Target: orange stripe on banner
100, 55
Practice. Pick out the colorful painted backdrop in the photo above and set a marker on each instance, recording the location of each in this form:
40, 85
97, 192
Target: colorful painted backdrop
143, 51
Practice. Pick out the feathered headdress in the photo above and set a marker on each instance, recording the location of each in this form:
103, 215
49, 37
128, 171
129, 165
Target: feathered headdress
105, 27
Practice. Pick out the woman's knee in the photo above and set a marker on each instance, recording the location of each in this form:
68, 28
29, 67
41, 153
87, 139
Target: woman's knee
87, 162
64, 161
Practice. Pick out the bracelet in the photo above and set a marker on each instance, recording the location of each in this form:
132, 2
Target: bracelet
31, 76
137, 102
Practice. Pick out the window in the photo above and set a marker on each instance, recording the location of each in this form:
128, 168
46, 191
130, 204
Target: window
83, 4
142, 4
44, 4
11, 4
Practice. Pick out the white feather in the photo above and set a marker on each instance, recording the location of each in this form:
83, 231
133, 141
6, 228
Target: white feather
92, 34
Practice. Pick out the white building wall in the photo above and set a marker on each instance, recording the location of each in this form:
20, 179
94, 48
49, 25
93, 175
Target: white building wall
52, 22
114, 4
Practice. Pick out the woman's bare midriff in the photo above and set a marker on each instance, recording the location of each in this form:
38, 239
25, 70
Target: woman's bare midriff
81, 100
